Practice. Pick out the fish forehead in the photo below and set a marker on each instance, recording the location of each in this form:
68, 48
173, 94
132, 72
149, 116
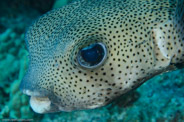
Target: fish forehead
61, 23
124, 26
56, 31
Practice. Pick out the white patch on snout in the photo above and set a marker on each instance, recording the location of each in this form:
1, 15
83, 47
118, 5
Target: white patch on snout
30, 93
40, 105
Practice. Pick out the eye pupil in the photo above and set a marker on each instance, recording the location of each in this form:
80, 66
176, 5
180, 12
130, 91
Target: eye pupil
93, 54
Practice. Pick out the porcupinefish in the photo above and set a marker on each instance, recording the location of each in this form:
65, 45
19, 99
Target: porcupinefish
86, 54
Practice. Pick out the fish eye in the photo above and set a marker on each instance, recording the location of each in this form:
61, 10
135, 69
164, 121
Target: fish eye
92, 56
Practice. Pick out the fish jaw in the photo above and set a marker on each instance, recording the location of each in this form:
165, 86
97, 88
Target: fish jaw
46, 104
44, 101
40, 105
39, 100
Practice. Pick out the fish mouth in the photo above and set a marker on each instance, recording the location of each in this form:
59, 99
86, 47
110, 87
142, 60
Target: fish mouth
46, 101
41, 103
41, 100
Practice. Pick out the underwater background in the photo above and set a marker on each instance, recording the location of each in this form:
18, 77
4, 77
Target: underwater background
159, 99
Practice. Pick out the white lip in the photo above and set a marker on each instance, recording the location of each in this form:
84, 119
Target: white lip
40, 104
30, 93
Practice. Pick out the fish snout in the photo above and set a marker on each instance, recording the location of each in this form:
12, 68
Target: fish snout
40, 101
40, 98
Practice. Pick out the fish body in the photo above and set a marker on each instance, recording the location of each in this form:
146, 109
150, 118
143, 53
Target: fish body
130, 41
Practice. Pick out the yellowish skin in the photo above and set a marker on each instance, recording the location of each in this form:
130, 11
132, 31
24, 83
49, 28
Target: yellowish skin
142, 38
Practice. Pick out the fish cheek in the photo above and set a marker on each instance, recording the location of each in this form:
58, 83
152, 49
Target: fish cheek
78, 86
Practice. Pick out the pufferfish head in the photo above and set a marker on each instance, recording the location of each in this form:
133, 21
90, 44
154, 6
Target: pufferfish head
86, 54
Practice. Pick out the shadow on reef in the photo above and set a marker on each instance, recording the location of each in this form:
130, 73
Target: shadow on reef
126, 100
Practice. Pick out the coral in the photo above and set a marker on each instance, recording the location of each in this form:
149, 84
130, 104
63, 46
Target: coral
13, 64
14, 57
60, 3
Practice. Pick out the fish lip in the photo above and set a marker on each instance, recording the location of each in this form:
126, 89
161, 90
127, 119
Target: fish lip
35, 93
31, 93
41, 103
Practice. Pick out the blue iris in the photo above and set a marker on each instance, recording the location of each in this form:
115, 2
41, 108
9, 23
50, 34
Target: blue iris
93, 54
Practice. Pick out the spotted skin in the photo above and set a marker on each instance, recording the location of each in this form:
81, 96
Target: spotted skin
141, 37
